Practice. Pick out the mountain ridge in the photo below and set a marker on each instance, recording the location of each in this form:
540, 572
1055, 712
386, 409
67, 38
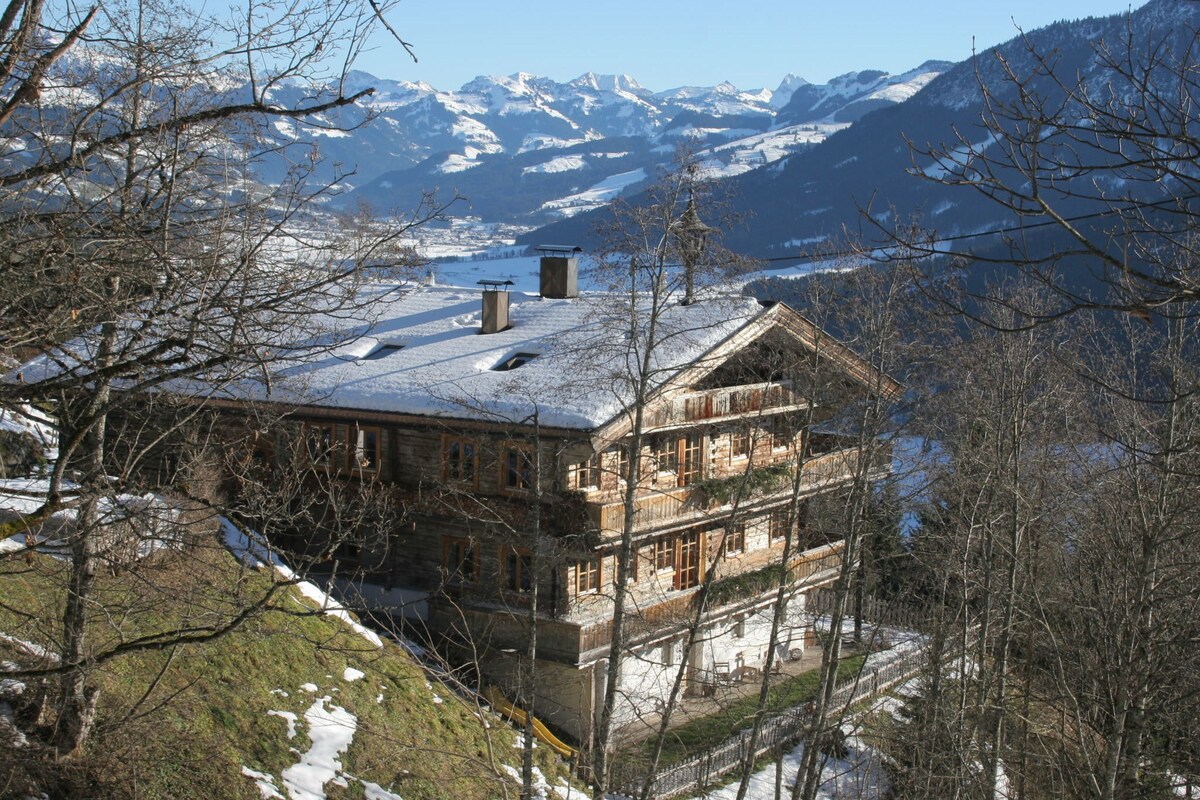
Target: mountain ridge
868, 176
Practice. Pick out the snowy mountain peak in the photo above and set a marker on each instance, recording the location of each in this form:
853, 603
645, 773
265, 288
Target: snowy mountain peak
607, 83
787, 87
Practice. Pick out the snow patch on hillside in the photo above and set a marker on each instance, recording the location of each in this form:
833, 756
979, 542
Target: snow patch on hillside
331, 729
559, 164
253, 552
459, 162
597, 195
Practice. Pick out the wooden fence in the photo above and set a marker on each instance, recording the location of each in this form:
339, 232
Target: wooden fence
875, 611
779, 729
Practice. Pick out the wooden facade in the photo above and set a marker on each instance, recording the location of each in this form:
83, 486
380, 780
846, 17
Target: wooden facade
491, 509
467, 536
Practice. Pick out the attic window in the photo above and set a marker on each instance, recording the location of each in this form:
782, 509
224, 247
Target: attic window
382, 351
514, 361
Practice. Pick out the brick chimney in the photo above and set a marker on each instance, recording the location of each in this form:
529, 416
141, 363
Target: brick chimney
559, 271
495, 306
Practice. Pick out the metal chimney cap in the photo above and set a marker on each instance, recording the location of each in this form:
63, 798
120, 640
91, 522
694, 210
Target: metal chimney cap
559, 250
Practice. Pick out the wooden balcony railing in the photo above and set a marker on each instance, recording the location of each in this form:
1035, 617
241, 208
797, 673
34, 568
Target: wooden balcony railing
818, 562
727, 402
658, 508
567, 640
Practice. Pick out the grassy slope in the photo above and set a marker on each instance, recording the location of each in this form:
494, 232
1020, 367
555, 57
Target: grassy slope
195, 727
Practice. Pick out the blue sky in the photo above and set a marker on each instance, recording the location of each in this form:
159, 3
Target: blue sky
668, 43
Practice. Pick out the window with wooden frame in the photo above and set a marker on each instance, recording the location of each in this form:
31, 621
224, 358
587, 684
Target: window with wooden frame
460, 460
735, 540
516, 469
816, 444
691, 456
620, 463
587, 576
585, 475
320, 441
666, 455
782, 435
367, 448
680, 457
739, 442
688, 560
664, 553
777, 525
460, 558
518, 569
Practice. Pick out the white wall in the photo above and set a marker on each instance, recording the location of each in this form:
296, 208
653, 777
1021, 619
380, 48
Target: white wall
648, 672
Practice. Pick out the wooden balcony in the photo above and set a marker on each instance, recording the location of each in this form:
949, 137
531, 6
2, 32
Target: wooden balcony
726, 403
665, 507
569, 641
813, 567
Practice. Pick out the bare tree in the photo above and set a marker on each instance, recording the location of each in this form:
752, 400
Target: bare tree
1053, 522
867, 423
1120, 617
654, 258
1095, 164
1057, 469
144, 256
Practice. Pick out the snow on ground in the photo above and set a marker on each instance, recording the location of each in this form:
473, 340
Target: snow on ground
894, 642
557, 164
28, 420
860, 775
759, 149
331, 729
351, 674
522, 271
141, 524
457, 162
373, 791
35, 650
251, 551
287, 717
597, 195
10, 734
541, 788
265, 783
1185, 787
958, 159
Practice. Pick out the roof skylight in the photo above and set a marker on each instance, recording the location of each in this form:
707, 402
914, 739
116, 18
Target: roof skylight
382, 351
514, 361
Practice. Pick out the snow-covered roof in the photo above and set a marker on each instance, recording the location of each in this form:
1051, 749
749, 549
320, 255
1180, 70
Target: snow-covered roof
421, 352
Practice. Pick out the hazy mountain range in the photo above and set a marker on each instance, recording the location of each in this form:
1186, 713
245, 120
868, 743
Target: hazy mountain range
820, 193
804, 160
528, 150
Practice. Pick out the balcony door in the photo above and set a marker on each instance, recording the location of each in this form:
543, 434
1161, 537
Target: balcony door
688, 562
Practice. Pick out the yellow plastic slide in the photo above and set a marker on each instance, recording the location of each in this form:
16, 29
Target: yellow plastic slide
517, 715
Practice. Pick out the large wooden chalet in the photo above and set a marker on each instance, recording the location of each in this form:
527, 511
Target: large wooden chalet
464, 399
